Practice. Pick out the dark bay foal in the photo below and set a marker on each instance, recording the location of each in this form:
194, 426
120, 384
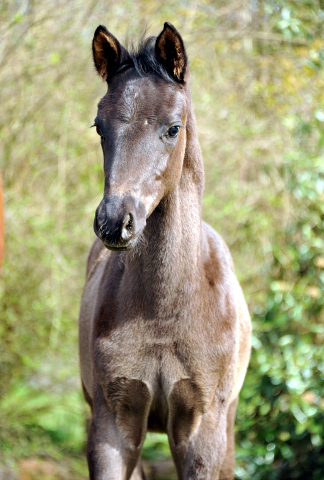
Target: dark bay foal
164, 328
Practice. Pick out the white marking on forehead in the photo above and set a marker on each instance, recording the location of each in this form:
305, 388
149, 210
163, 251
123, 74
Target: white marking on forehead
145, 122
130, 93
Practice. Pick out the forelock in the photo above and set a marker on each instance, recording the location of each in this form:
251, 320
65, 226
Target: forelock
143, 59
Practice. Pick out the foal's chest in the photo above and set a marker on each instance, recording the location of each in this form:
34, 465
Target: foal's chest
143, 351
166, 360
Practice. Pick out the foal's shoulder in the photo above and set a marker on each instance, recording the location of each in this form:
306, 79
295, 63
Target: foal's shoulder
215, 250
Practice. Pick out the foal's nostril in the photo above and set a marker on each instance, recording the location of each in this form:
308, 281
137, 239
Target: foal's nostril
119, 221
129, 224
100, 222
127, 228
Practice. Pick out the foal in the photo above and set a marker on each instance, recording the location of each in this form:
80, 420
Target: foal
164, 328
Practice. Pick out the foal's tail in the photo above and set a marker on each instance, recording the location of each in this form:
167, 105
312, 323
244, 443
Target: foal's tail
139, 473
144, 477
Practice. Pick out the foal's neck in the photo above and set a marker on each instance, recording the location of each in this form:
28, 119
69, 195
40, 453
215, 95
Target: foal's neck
168, 257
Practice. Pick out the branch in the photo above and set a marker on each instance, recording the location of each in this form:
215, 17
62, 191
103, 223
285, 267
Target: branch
267, 36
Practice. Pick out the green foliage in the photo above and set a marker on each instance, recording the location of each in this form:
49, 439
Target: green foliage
284, 387
156, 447
52, 416
257, 80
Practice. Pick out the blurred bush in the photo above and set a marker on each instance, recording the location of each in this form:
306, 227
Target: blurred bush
282, 415
258, 81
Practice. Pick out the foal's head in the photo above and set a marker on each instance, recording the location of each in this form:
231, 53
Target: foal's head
141, 122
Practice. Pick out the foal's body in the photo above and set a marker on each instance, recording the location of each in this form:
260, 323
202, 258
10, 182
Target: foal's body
164, 328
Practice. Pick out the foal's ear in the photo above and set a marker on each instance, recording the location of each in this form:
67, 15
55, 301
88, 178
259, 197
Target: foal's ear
171, 53
108, 53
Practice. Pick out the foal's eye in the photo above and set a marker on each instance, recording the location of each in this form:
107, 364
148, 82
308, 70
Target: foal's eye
173, 131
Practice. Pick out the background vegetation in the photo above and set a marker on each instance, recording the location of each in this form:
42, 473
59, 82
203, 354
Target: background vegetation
257, 75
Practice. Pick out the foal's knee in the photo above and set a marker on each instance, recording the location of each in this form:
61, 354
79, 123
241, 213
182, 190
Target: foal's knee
185, 409
197, 432
129, 400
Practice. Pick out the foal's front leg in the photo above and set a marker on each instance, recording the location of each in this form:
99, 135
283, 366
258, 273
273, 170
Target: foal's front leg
117, 432
202, 455
198, 441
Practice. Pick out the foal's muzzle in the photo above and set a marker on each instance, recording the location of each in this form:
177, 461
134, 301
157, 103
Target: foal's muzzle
119, 221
